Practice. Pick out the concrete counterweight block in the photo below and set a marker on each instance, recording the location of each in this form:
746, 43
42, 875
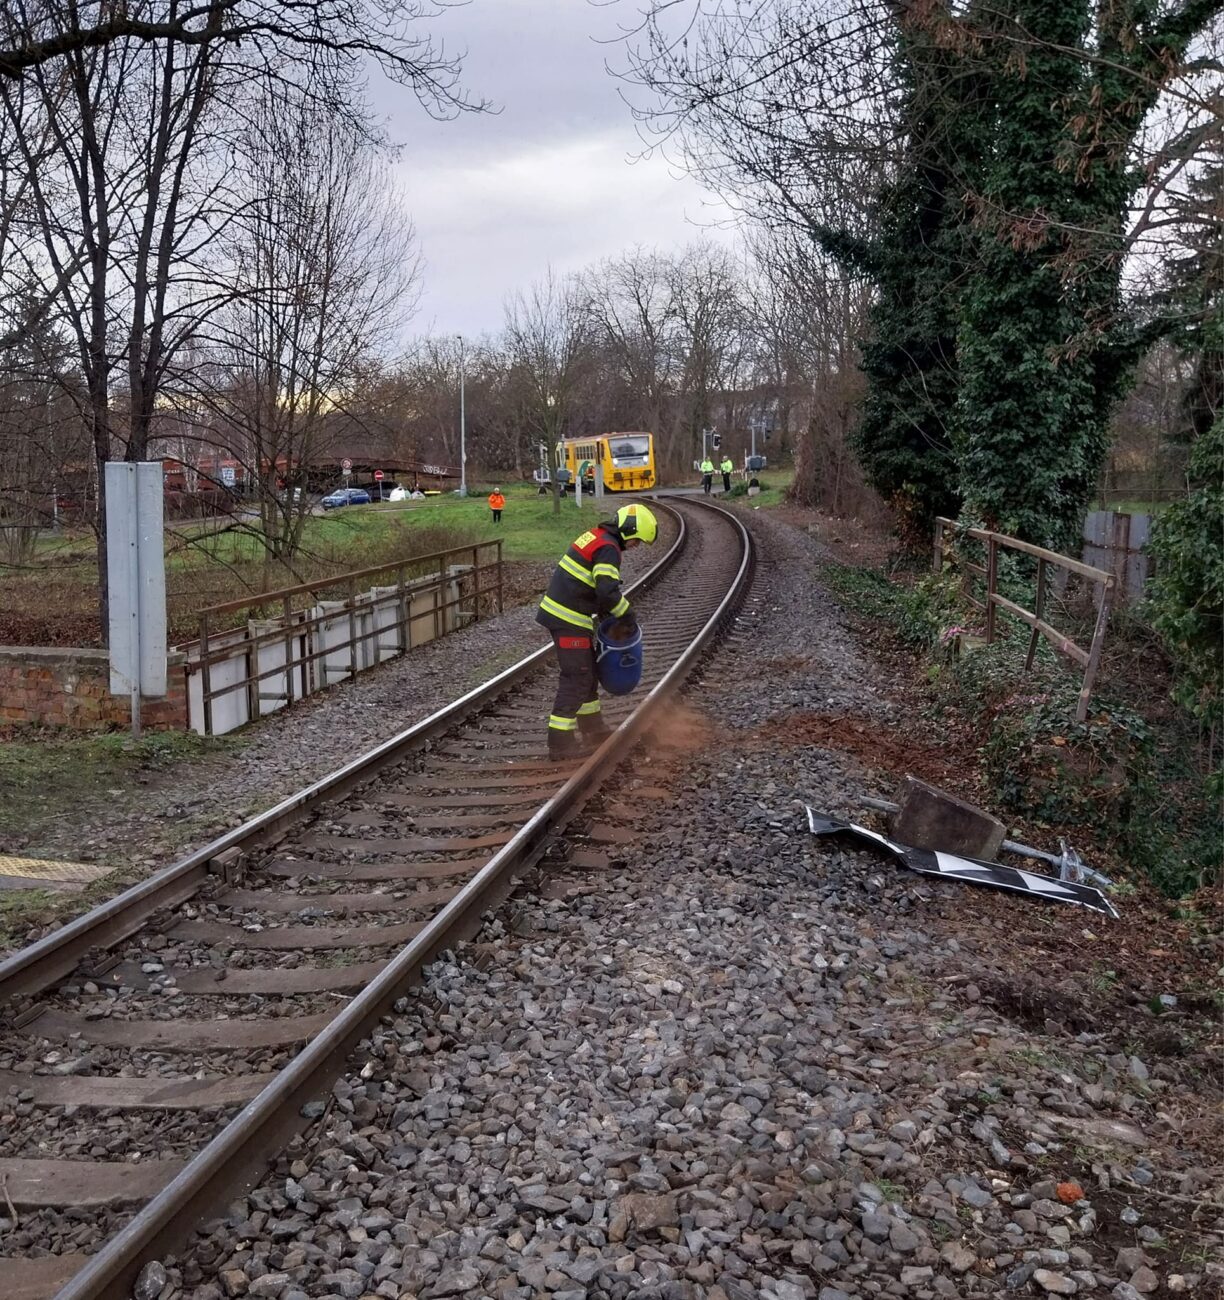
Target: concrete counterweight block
930, 818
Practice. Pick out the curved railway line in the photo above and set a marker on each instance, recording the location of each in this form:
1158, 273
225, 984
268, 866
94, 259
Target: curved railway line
158, 1051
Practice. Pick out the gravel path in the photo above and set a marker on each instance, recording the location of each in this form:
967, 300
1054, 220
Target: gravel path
741, 1063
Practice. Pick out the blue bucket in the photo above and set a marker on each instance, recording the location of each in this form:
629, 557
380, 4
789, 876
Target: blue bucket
618, 663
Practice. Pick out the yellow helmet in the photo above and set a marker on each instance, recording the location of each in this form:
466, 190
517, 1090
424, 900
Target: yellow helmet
637, 521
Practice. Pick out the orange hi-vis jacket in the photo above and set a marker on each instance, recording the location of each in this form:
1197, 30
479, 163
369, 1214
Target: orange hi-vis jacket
496, 501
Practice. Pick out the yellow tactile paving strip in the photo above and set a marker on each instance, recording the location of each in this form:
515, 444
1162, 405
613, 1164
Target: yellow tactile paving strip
46, 869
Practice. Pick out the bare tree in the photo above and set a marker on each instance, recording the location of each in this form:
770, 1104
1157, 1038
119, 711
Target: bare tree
115, 183
709, 342
634, 318
548, 332
324, 270
34, 33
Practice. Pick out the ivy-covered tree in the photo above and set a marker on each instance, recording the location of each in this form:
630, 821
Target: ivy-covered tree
916, 261
1045, 347
1186, 594
1191, 296
1000, 145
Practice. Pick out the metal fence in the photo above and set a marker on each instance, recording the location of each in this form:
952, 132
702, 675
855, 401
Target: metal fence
1117, 543
262, 653
948, 532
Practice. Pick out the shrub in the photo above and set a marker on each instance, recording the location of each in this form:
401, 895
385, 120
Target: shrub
1186, 594
1111, 773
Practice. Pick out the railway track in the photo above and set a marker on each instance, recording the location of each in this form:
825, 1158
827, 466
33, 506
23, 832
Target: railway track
157, 1052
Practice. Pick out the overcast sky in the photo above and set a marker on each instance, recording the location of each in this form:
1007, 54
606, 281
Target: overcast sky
550, 179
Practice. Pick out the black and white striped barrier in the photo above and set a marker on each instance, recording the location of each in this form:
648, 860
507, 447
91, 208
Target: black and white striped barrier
952, 866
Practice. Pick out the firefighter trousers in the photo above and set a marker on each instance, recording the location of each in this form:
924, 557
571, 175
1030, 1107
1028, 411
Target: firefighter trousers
577, 687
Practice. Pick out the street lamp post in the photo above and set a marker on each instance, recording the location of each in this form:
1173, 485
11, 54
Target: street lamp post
462, 424
550, 403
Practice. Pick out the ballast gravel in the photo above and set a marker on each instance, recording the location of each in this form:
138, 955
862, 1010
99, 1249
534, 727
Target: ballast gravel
170, 812
739, 1064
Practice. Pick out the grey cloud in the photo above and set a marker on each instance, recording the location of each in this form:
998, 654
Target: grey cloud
549, 180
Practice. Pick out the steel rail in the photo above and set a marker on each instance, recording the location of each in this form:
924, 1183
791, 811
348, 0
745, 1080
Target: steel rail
55, 956
239, 1155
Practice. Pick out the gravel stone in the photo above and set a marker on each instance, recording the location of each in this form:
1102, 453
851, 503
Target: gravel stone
456, 1279
1129, 1259
1054, 1283
150, 1282
958, 1257
903, 1239
1144, 1280
736, 1063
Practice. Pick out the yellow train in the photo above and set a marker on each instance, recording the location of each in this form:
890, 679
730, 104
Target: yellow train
627, 459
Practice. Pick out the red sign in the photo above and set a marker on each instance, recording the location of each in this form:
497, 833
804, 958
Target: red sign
378, 476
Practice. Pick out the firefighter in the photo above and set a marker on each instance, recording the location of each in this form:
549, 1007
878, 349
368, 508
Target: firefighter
707, 475
726, 467
585, 589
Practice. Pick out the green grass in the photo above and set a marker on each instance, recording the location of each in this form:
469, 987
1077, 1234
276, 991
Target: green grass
1137, 506
20, 909
42, 775
774, 485
894, 1192
529, 529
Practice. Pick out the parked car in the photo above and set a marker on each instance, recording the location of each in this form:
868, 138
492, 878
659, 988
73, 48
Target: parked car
346, 497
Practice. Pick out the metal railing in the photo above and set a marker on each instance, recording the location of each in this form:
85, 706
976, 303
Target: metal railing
1104, 585
293, 642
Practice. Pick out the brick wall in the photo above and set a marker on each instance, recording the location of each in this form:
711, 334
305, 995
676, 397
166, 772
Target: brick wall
71, 688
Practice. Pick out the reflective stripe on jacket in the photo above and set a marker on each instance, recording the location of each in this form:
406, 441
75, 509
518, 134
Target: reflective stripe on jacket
586, 584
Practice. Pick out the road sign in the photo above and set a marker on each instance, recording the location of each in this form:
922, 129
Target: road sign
346, 464
378, 476
228, 475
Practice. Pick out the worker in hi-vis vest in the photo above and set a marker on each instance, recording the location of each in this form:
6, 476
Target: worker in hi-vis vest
726, 467
707, 475
585, 589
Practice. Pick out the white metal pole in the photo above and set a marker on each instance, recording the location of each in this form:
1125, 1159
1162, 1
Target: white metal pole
462, 424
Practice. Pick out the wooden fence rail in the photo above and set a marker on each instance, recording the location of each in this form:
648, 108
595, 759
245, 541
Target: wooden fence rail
947, 530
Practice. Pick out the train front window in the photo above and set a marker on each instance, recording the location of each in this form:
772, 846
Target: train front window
630, 450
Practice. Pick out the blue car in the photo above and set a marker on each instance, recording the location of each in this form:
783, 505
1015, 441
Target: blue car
346, 497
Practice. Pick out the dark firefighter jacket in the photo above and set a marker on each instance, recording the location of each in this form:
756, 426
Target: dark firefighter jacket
586, 584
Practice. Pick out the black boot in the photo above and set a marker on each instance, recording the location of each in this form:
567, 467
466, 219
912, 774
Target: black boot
564, 746
593, 730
